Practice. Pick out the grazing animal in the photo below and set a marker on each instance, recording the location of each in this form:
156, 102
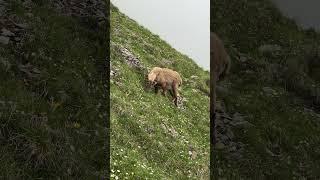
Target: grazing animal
166, 79
219, 68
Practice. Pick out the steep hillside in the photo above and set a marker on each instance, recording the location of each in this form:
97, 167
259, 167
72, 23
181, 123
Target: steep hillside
273, 90
150, 137
52, 84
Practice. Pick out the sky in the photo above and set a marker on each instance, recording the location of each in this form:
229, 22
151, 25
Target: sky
184, 24
304, 12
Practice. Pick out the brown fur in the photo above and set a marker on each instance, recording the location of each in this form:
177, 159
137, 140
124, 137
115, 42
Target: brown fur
219, 68
166, 79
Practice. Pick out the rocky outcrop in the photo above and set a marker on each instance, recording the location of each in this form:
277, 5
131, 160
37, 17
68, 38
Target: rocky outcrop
226, 139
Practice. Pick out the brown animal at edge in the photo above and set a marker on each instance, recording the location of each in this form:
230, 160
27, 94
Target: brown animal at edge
166, 79
219, 68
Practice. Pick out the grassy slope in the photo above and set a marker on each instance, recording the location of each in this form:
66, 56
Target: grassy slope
140, 146
54, 125
281, 124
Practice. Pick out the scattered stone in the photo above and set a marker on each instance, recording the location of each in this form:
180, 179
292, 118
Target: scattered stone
242, 124
29, 15
229, 134
88, 8
269, 91
131, 60
112, 73
180, 102
6, 64
249, 71
6, 32
4, 40
170, 131
237, 117
30, 70
269, 49
22, 26
243, 59
173, 132
166, 62
222, 90
17, 39
219, 106
192, 153
220, 146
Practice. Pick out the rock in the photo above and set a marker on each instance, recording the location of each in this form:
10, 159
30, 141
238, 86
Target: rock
237, 117
232, 148
269, 49
243, 59
29, 15
180, 102
219, 106
220, 146
6, 64
222, 90
17, 39
6, 32
229, 133
173, 132
192, 153
22, 26
223, 138
269, 91
249, 71
226, 121
242, 124
112, 73
166, 62
4, 40
30, 70
130, 58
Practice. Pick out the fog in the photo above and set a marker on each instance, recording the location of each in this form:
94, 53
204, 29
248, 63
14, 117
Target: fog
306, 13
184, 24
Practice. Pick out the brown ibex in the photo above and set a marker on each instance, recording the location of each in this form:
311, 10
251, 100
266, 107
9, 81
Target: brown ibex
166, 79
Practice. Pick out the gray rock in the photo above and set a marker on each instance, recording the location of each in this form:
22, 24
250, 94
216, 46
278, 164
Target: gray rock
243, 59
237, 117
22, 26
29, 15
6, 32
232, 148
131, 59
4, 40
6, 64
242, 124
229, 133
222, 90
220, 146
269, 91
223, 138
269, 49
17, 39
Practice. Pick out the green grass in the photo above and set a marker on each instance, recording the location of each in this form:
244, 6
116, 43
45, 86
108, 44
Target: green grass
281, 124
150, 137
53, 125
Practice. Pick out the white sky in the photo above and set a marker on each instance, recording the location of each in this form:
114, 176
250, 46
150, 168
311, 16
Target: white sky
184, 24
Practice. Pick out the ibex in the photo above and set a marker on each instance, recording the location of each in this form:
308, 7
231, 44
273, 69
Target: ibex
166, 79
